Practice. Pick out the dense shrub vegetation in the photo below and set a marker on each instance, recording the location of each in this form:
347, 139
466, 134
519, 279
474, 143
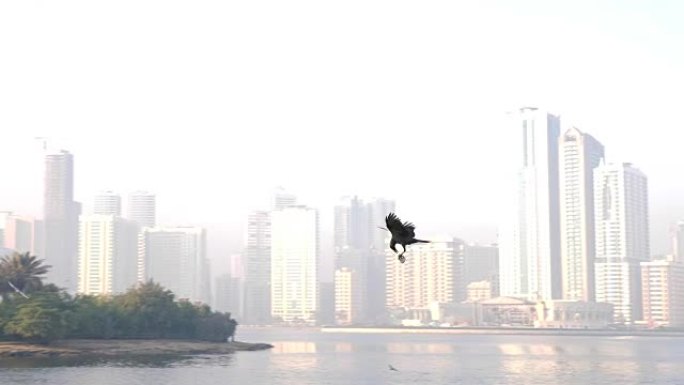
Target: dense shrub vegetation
145, 311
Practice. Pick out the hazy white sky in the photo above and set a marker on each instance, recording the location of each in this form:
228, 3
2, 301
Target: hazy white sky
212, 103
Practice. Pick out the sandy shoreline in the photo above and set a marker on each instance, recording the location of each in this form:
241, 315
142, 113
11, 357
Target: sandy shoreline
125, 347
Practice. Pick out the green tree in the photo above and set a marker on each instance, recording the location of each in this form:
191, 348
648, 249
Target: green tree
216, 327
42, 318
97, 317
24, 271
7, 311
145, 311
150, 309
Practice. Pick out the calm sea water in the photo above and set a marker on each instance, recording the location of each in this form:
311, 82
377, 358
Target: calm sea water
310, 357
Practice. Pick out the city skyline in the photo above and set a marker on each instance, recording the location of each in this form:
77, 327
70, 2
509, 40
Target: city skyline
619, 192
218, 230
217, 252
562, 181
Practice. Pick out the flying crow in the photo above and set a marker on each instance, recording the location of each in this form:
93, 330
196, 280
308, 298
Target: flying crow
402, 233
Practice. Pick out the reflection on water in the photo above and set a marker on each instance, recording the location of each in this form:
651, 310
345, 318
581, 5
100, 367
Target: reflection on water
531, 349
404, 348
291, 347
511, 349
309, 357
344, 347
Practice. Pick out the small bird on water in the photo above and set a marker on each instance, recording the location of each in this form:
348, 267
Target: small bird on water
403, 233
392, 368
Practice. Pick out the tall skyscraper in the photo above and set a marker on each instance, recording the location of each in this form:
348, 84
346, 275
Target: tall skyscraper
61, 214
580, 153
622, 237
108, 254
379, 208
428, 276
258, 268
357, 221
294, 265
376, 285
352, 224
142, 208
175, 257
352, 257
530, 247
107, 203
360, 246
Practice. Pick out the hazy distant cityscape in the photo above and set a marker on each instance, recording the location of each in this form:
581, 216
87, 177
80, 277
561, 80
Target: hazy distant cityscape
573, 250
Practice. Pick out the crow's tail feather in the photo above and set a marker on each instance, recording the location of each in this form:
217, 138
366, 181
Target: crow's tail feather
422, 241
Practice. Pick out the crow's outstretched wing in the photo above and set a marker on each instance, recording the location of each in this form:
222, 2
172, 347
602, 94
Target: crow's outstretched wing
399, 229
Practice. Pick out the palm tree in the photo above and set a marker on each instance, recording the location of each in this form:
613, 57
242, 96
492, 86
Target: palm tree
23, 270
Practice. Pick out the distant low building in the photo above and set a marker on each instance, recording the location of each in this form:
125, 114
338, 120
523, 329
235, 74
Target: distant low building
456, 313
573, 314
479, 291
662, 283
510, 311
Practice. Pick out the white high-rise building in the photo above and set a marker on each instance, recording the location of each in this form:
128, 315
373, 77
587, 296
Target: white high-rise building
662, 284
257, 268
427, 276
175, 257
60, 221
107, 203
352, 224
580, 153
142, 208
530, 241
622, 237
379, 208
107, 260
294, 265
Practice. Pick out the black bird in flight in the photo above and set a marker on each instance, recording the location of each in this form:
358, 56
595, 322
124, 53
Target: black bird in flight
392, 368
402, 233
